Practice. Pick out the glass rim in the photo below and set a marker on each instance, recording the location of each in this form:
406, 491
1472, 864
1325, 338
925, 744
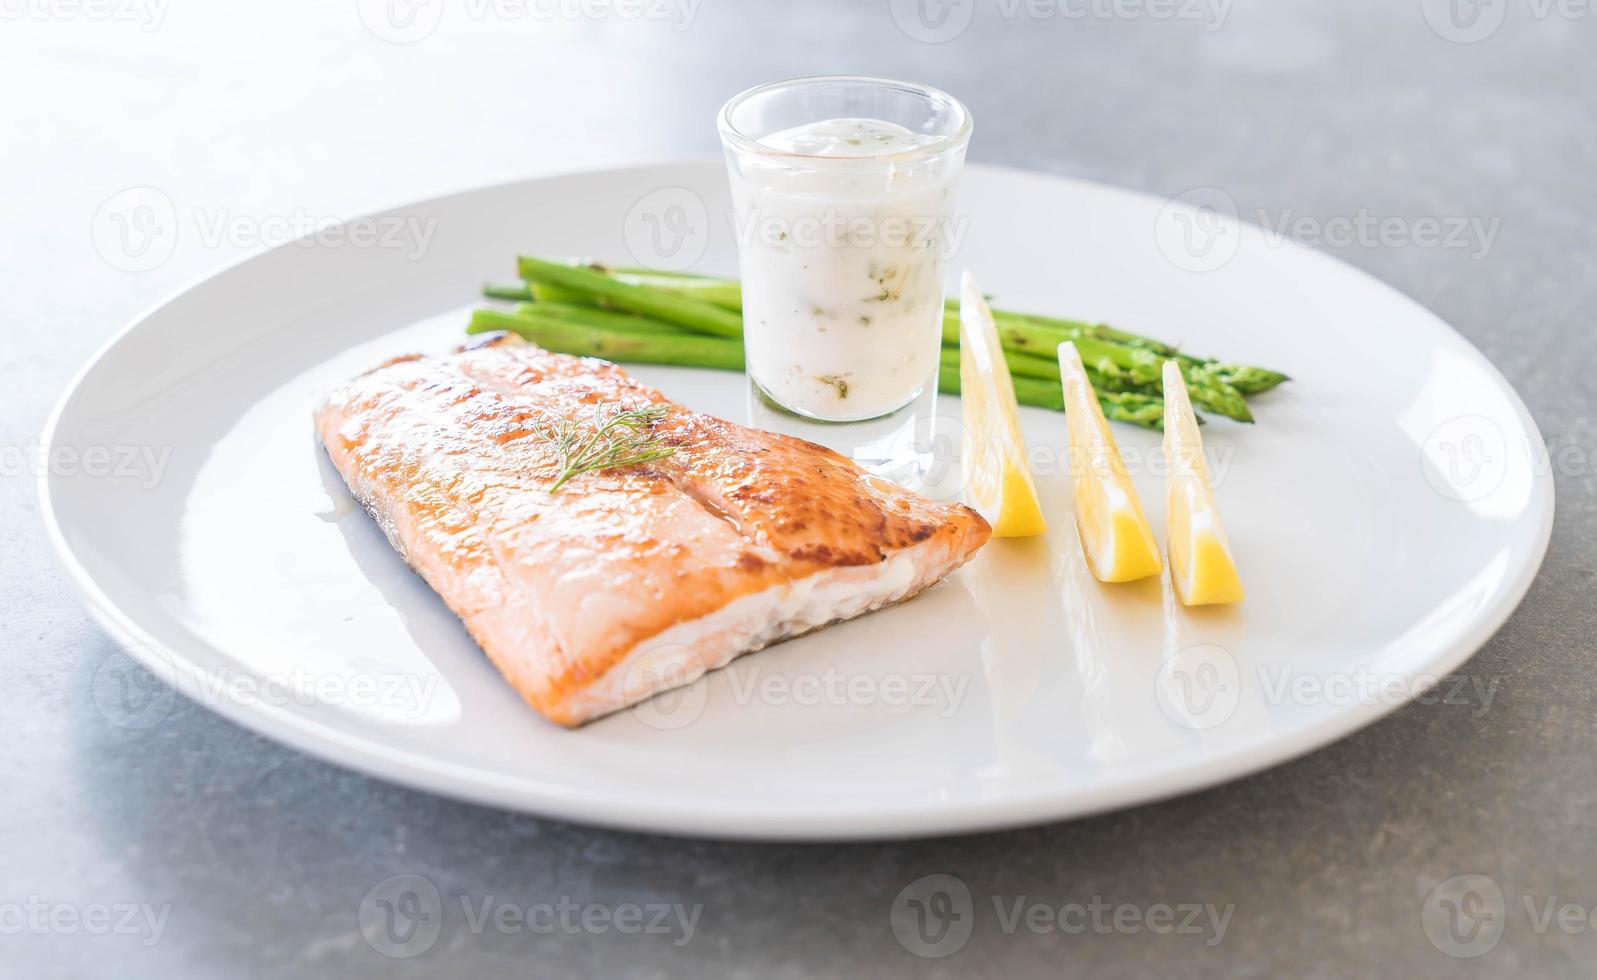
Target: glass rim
733, 136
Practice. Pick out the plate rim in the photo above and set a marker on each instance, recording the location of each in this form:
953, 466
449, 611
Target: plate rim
371, 757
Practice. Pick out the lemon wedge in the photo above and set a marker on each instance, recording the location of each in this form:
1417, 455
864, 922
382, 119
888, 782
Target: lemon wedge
1120, 546
997, 482
1201, 567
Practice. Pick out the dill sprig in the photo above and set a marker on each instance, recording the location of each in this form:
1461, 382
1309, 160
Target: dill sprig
619, 438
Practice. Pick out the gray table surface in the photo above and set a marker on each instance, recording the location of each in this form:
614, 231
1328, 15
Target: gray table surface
232, 855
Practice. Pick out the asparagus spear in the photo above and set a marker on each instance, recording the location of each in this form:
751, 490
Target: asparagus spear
546, 293
1249, 380
692, 313
639, 270
592, 316
508, 290
1138, 409
1023, 365
725, 293
685, 349
1246, 379
1117, 366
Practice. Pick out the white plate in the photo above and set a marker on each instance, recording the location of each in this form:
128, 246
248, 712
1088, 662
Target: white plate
1388, 511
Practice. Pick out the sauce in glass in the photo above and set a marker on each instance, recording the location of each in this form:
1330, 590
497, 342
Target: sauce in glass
841, 261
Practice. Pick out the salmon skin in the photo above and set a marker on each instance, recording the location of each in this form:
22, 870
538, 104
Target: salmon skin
628, 581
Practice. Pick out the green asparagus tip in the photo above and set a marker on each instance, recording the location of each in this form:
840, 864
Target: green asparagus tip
506, 290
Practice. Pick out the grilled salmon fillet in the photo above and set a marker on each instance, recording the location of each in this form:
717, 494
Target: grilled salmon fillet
627, 581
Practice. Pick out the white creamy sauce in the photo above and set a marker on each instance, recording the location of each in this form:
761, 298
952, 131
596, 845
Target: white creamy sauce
842, 268
847, 138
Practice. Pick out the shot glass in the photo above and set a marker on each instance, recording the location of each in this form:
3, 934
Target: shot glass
843, 190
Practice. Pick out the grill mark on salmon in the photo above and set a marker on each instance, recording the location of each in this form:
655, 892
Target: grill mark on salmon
632, 580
